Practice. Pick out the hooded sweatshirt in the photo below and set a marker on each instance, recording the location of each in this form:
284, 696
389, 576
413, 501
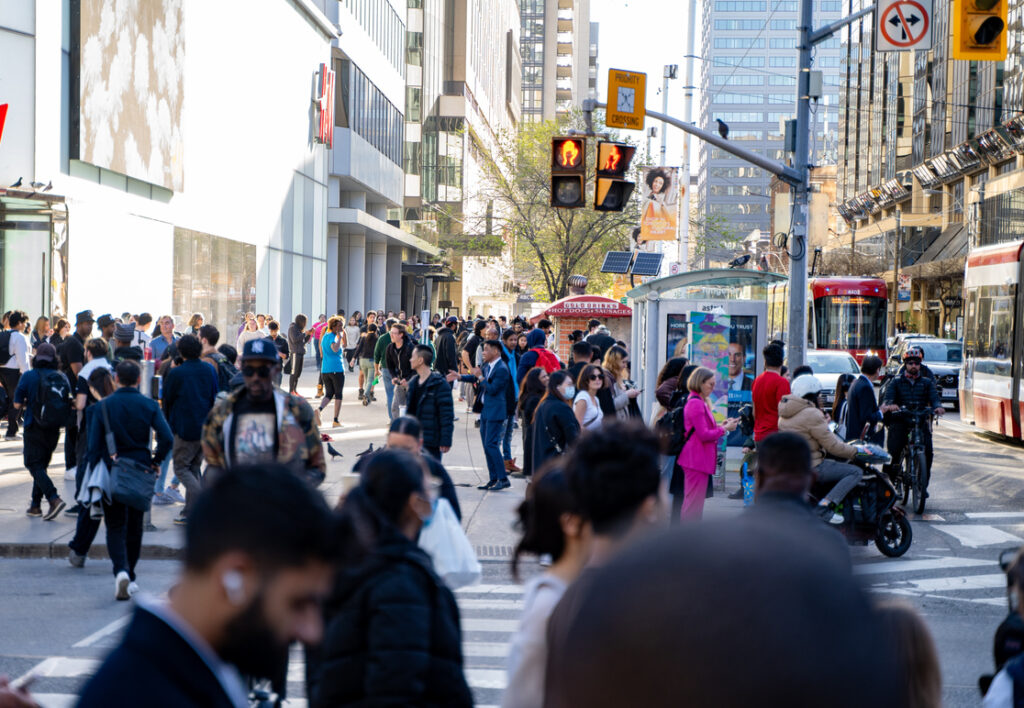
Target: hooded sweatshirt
535, 339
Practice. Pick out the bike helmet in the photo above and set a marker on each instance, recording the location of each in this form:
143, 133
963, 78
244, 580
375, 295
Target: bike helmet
805, 385
914, 352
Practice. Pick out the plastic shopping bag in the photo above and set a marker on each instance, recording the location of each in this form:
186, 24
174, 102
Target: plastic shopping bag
445, 542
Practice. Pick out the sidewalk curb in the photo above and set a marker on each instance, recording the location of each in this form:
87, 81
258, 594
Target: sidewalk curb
97, 552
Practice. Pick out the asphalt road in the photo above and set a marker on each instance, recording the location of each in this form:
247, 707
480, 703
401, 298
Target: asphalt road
58, 621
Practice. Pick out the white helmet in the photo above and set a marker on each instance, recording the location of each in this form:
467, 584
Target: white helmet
805, 385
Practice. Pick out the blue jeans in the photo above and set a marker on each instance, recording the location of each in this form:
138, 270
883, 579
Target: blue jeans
506, 442
490, 435
162, 477
389, 389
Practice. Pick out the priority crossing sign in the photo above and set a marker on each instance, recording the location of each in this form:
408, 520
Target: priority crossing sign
903, 25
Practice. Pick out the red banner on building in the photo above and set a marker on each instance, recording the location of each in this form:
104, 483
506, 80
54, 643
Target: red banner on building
586, 306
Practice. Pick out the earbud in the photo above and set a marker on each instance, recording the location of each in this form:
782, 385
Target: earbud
234, 587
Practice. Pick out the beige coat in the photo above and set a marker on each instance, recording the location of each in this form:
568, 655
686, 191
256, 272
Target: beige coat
800, 416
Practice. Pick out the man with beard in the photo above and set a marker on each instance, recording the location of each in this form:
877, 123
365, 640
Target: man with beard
254, 579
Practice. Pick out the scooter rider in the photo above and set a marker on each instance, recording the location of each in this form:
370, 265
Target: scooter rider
799, 413
915, 390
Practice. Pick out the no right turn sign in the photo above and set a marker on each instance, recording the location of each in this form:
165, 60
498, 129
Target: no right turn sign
903, 25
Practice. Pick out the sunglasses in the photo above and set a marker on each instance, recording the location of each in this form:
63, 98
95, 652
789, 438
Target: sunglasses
262, 371
594, 377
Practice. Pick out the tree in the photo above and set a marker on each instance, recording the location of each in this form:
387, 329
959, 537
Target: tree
711, 238
550, 244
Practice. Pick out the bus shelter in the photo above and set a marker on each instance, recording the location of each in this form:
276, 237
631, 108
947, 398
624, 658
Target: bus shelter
666, 312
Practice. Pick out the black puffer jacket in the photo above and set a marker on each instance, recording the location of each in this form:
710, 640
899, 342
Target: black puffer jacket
555, 428
391, 636
430, 401
446, 358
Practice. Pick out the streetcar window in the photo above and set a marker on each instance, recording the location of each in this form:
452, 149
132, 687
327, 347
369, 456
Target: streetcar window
990, 334
850, 322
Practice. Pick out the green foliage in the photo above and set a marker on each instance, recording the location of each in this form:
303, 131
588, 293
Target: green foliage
551, 244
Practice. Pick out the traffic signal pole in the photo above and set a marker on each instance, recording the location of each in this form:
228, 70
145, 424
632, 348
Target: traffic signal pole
797, 176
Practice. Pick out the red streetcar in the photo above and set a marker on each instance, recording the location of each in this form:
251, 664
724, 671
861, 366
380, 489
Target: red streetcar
990, 378
843, 314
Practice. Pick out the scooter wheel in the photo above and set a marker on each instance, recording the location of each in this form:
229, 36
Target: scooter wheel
894, 535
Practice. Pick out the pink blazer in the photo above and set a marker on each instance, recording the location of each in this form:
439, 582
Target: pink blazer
700, 452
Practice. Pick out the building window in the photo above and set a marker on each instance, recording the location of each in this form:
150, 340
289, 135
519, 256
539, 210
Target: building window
413, 95
414, 48
369, 113
741, 61
738, 98
740, 6
738, 25
739, 117
782, 61
738, 80
783, 43
740, 43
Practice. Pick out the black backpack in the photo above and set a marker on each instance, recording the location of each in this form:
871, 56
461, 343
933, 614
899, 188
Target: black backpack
5, 346
52, 406
225, 371
671, 430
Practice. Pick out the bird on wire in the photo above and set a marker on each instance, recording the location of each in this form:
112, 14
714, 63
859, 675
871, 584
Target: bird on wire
723, 129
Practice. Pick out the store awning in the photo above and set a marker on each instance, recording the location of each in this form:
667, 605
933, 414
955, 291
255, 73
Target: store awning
585, 306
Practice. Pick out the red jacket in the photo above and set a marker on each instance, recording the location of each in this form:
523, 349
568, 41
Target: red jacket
700, 452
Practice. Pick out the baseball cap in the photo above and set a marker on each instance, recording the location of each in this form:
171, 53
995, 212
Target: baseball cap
259, 349
84, 316
105, 321
452, 319
45, 352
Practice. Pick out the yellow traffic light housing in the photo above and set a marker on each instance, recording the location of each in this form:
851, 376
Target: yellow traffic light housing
979, 30
612, 190
568, 172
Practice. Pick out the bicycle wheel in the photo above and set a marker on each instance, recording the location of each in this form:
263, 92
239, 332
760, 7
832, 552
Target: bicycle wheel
903, 477
920, 481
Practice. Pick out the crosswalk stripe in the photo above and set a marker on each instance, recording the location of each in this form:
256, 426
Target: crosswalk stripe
485, 649
480, 624
490, 590
910, 566
487, 678
491, 604
965, 582
994, 514
976, 536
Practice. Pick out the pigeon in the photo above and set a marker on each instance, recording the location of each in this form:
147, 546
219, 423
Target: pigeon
723, 129
333, 453
48, 187
37, 185
16, 184
365, 452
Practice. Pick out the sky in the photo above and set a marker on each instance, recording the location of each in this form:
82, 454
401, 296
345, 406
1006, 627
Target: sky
645, 35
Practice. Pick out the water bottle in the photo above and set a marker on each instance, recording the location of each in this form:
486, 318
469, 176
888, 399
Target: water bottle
747, 481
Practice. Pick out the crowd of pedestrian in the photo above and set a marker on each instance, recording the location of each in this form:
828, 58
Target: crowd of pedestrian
625, 611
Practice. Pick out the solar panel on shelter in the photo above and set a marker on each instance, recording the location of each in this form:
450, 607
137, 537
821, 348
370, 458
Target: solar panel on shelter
616, 262
647, 263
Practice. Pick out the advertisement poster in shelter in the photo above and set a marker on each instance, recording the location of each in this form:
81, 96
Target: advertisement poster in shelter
709, 347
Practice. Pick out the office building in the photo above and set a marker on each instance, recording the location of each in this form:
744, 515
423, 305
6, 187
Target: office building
748, 81
156, 168
930, 151
558, 45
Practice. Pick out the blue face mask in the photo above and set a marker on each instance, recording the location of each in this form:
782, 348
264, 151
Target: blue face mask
570, 391
429, 517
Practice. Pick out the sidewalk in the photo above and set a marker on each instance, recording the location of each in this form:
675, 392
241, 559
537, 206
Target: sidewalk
488, 517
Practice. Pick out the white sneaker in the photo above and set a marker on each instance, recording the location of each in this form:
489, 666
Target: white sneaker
121, 584
70, 474
837, 519
133, 588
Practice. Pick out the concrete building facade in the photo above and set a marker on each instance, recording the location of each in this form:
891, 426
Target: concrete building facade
143, 184
558, 44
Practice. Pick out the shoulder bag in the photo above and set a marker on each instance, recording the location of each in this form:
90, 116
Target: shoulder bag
131, 482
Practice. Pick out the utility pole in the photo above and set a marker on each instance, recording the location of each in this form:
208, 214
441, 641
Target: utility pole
684, 201
897, 248
668, 73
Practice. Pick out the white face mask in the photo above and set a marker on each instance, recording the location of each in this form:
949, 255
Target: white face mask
570, 391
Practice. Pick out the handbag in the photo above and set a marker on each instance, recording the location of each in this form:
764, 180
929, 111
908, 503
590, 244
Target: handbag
131, 483
448, 547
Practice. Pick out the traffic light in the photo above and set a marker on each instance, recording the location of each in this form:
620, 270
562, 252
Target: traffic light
979, 30
612, 190
568, 172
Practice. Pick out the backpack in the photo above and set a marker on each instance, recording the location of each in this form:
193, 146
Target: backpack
52, 406
225, 371
547, 360
5, 346
671, 430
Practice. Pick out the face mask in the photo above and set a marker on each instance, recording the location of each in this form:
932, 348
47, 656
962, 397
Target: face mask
570, 391
429, 517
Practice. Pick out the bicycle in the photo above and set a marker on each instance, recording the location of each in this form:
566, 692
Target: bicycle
912, 473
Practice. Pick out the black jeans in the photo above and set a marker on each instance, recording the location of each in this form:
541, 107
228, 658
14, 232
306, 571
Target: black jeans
124, 536
85, 532
898, 435
435, 451
39, 446
70, 441
293, 380
9, 378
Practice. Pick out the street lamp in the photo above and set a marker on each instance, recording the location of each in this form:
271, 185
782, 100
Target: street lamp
670, 72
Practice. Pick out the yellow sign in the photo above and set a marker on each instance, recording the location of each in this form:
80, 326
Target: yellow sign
627, 96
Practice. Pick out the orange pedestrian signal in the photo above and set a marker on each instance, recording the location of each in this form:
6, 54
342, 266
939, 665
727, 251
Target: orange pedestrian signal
612, 190
568, 172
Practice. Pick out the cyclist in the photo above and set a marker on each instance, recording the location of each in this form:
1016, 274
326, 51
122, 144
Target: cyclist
914, 390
